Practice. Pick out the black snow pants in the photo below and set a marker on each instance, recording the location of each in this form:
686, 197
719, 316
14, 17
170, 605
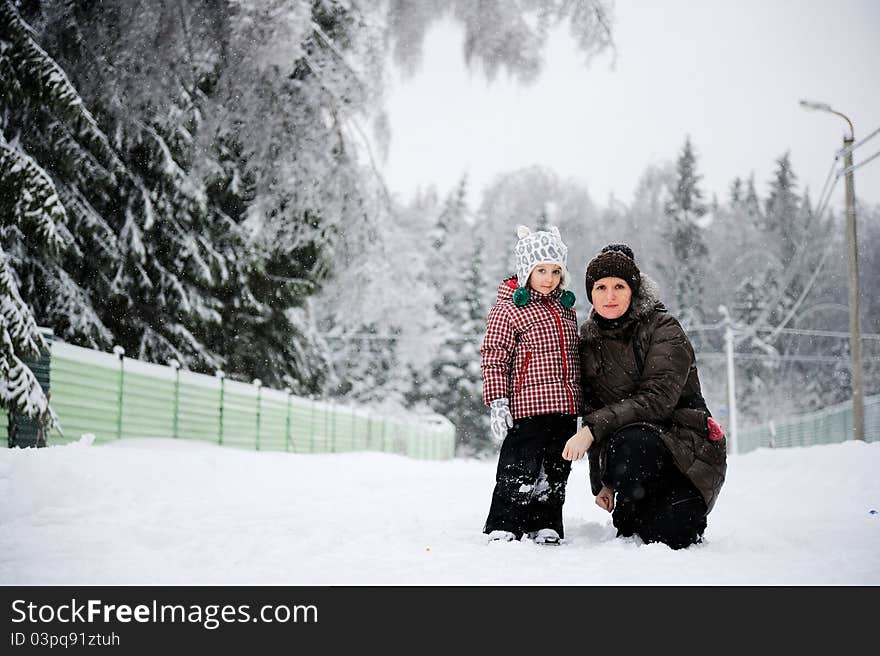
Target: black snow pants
531, 476
653, 499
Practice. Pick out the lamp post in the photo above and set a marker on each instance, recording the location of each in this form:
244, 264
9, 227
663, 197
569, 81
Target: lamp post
855, 337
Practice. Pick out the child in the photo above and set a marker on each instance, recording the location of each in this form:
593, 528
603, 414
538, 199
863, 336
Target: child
531, 382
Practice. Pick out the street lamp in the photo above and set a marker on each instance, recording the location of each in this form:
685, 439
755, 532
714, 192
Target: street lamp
855, 337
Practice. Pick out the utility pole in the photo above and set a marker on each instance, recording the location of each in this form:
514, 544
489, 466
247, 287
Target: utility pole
855, 331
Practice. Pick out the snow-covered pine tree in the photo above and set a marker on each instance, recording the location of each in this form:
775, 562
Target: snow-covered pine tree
366, 365
751, 203
869, 276
782, 210
455, 386
524, 196
132, 110
277, 315
641, 224
683, 211
117, 283
45, 117
736, 193
175, 252
30, 213
446, 241
812, 301
447, 248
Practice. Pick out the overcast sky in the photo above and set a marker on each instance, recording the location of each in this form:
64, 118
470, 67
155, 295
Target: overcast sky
730, 74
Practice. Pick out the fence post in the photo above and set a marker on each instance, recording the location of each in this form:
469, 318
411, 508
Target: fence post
174, 422
287, 440
731, 378
332, 427
258, 384
312, 426
222, 377
120, 353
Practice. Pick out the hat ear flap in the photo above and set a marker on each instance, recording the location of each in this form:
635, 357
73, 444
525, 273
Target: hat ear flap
523, 231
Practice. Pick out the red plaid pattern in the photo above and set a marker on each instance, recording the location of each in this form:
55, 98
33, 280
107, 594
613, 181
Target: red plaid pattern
530, 355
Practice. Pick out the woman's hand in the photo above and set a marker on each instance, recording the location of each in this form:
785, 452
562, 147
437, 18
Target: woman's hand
578, 444
605, 499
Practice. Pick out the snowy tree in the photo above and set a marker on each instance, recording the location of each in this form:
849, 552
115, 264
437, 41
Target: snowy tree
744, 202
454, 387
193, 232
501, 34
782, 209
30, 212
46, 119
524, 196
641, 223
683, 211
217, 186
366, 365
869, 274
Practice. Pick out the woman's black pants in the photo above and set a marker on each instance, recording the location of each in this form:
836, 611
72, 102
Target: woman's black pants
531, 476
653, 499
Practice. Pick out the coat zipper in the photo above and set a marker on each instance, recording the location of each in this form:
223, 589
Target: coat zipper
564, 365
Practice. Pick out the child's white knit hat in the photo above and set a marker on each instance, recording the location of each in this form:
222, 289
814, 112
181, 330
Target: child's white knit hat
534, 248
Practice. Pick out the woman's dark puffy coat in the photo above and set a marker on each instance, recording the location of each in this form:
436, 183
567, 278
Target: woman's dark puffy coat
665, 394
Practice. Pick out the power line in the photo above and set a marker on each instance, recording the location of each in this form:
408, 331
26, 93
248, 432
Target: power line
828, 359
698, 328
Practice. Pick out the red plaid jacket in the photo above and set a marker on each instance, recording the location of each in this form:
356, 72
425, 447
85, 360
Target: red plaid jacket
530, 355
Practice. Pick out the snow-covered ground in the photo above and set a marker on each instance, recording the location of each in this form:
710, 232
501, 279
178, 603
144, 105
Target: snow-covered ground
173, 512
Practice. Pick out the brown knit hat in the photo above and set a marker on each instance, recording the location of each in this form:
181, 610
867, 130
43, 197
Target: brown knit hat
615, 261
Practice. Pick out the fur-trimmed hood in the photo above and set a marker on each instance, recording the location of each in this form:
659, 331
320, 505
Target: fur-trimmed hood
642, 306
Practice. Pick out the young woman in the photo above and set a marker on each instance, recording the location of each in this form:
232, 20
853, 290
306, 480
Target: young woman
657, 458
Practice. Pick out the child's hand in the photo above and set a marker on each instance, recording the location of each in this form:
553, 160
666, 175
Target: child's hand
578, 444
605, 499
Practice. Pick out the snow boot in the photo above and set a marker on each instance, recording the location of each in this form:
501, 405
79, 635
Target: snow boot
501, 536
545, 536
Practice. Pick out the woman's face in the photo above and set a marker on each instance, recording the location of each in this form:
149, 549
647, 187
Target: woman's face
611, 297
545, 278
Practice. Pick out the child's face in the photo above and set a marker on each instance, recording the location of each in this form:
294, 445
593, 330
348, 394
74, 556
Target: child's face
545, 278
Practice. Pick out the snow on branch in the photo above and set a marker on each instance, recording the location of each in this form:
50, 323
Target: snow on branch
39, 72
19, 336
28, 197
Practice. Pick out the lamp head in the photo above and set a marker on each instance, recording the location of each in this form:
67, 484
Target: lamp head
809, 104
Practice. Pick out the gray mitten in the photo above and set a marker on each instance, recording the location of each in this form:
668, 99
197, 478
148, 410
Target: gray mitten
500, 419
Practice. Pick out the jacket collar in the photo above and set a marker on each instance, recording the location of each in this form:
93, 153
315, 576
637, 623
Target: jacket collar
509, 285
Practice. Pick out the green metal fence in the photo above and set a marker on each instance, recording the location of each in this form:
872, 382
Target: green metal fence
827, 426
112, 396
